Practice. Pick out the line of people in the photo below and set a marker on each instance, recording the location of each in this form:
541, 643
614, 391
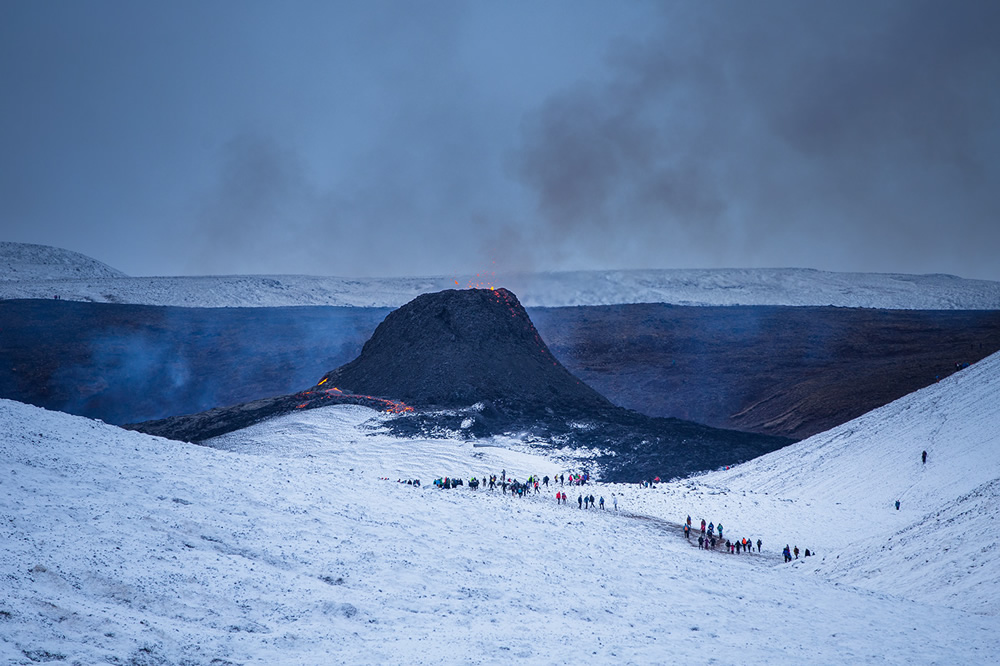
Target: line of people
707, 538
787, 553
587, 501
711, 536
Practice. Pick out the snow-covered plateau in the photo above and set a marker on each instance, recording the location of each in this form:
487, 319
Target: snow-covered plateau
292, 542
35, 271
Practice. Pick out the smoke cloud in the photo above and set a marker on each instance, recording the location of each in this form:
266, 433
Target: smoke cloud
831, 135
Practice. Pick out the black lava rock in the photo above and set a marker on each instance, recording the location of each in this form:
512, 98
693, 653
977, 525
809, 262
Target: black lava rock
456, 348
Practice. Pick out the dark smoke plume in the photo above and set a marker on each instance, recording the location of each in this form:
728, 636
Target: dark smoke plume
838, 134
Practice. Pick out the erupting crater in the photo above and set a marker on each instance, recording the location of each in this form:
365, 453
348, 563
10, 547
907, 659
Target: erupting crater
456, 348
470, 363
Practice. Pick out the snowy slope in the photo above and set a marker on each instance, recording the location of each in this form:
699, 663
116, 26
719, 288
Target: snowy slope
84, 282
835, 493
25, 262
284, 544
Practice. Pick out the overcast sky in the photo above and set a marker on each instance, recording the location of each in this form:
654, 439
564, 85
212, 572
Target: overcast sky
437, 138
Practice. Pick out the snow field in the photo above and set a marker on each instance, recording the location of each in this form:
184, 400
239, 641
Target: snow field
284, 545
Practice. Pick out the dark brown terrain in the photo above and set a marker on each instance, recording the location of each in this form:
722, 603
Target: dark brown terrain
791, 371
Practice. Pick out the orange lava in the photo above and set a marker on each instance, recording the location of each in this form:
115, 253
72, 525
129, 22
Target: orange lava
391, 406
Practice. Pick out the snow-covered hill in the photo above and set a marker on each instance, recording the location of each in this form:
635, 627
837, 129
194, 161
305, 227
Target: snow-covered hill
24, 262
682, 287
836, 493
286, 543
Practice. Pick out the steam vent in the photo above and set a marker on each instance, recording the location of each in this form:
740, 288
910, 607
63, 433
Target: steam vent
456, 348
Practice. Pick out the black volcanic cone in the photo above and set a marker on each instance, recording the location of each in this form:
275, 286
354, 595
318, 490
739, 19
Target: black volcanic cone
470, 363
456, 348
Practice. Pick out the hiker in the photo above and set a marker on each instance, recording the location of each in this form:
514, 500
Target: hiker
796, 551
923, 457
897, 505
758, 545
701, 542
687, 532
615, 500
720, 530
591, 501
711, 528
545, 480
579, 501
602, 502
787, 554
689, 521
702, 525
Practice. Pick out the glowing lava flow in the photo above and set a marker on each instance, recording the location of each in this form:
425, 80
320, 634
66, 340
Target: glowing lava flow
391, 406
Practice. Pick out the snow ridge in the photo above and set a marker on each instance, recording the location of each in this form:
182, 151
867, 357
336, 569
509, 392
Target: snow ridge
33, 271
21, 262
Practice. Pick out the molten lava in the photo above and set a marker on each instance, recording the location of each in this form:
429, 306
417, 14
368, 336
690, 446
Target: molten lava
391, 406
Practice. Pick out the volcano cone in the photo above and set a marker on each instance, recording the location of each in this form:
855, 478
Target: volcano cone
456, 348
